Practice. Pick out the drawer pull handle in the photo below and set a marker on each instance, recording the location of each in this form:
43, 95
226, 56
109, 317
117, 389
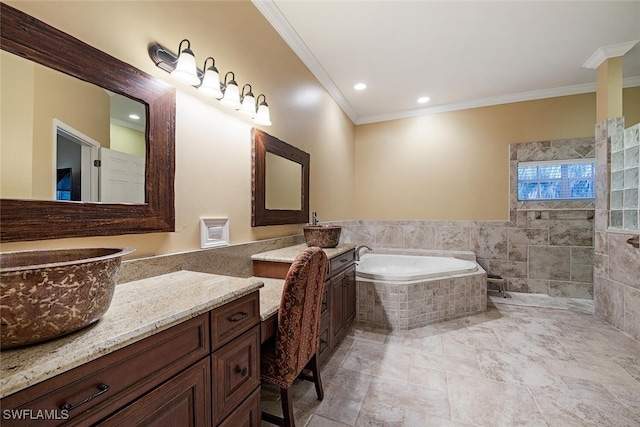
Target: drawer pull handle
344, 260
238, 316
242, 371
102, 388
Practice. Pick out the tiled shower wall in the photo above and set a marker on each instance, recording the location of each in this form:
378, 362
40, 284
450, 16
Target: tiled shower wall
617, 263
545, 248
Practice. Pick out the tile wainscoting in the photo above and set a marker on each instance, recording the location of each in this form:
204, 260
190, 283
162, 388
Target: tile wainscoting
548, 252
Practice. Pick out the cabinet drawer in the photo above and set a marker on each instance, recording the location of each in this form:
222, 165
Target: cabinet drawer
184, 400
342, 261
236, 373
97, 388
247, 414
232, 319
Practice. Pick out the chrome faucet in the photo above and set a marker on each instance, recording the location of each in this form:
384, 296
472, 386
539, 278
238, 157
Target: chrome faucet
314, 218
359, 248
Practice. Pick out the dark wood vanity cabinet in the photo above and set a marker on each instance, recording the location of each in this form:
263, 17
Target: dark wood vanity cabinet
343, 303
339, 301
201, 372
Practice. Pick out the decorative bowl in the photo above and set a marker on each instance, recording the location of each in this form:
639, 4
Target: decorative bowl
324, 236
46, 294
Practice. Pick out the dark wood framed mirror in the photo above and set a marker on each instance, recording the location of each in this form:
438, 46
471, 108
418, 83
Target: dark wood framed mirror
24, 220
280, 182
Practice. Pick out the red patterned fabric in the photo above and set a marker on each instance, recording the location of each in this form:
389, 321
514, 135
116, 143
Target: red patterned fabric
296, 339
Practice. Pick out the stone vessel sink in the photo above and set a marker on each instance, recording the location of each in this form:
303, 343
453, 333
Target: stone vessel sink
46, 294
325, 236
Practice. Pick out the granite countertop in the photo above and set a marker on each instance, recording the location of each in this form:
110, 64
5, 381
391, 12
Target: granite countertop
289, 253
139, 309
270, 295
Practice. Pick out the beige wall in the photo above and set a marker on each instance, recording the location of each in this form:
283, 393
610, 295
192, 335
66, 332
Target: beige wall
213, 144
16, 107
631, 105
127, 140
455, 166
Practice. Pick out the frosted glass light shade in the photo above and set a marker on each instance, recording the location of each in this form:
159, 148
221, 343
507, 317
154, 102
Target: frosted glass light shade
262, 116
211, 84
248, 105
231, 96
186, 70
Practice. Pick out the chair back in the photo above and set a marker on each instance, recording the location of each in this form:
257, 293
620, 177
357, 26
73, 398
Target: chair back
299, 313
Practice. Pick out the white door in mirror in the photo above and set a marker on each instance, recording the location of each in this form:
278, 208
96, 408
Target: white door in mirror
121, 177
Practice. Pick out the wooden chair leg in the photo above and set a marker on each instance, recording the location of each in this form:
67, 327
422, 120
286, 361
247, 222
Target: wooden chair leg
314, 366
287, 407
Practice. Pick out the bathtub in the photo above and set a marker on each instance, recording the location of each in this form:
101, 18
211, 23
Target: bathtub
409, 267
409, 291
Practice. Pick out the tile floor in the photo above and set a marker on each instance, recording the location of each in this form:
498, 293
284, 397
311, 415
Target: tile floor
528, 361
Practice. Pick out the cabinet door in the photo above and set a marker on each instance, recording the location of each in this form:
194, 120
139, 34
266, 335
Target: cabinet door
184, 400
236, 372
349, 296
246, 415
337, 309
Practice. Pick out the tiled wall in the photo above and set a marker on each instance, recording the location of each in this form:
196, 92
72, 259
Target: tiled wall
617, 263
545, 248
385, 305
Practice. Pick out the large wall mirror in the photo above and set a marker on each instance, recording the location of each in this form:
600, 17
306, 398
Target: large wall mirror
280, 182
44, 66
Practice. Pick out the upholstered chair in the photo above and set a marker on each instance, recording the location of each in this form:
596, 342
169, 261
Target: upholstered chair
295, 345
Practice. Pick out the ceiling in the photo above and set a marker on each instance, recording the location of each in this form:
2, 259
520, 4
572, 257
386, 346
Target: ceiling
460, 54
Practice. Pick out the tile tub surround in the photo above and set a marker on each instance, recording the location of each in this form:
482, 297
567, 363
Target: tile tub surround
617, 263
531, 364
139, 309
409, 305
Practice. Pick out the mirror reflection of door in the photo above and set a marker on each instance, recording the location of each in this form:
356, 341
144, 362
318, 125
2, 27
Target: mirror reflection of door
121, 177
75, 155
85, 171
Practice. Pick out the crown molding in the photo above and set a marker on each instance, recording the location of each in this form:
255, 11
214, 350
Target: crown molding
277, 20
496, 100
606, 52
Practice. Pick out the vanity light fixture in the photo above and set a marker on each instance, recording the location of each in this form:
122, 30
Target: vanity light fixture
231, 96
262, 116
248, 102
207, 81
211, 81
186, 70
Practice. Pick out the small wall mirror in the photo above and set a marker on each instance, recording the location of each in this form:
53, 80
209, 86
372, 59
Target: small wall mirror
29, 216
280, 182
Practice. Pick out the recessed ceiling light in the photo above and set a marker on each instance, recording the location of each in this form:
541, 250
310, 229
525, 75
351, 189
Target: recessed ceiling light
423, 99
360, 86
134, 117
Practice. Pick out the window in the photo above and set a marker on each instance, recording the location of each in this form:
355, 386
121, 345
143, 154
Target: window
556, 180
